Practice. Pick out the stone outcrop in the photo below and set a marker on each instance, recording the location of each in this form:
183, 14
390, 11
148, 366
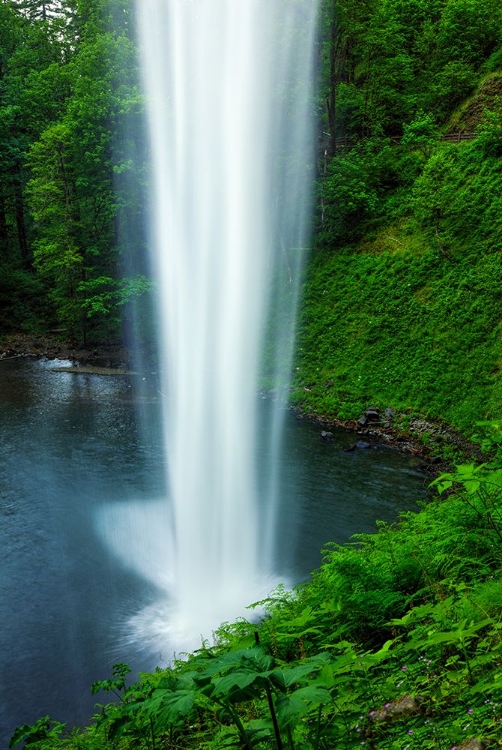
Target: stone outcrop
406, 705
371, 416
472, 744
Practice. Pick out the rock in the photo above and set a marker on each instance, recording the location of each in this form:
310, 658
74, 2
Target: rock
350, 448
470, 745
389, 414
406, 705
362, 444
371, 414
326, 436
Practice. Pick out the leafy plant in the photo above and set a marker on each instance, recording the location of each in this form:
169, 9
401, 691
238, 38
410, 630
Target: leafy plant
45, 729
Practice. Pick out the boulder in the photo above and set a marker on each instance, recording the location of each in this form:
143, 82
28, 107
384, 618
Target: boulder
362, 444
406, 705
371, 416
472, 744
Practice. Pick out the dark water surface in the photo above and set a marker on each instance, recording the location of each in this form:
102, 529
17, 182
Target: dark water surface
71, 443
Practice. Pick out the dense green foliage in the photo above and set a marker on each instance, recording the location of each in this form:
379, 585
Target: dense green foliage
72, 174
385, 61
410, 317
402, 304
394, 643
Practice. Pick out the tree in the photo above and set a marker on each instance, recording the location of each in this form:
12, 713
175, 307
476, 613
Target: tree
40, 10
80, 191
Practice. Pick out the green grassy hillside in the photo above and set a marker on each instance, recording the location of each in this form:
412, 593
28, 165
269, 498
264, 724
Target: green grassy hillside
402, 303
403, 298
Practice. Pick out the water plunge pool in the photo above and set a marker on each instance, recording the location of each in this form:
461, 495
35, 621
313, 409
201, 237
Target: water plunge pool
75, 446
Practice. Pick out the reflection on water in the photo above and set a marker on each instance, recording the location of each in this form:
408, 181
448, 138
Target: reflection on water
73, 449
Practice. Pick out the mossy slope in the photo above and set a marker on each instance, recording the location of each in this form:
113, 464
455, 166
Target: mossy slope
409, 315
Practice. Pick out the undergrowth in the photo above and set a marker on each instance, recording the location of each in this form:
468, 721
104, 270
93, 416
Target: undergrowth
394, 643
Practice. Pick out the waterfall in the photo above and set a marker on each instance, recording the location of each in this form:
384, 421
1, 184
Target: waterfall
228, 85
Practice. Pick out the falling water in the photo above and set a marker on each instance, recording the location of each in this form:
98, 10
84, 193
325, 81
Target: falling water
228, 87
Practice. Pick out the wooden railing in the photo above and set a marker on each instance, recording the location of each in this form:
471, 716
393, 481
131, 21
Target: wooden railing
457, 137
347, 142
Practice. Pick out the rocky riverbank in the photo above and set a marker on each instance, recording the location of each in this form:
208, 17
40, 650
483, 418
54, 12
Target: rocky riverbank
111, 355
438, 445
435, 443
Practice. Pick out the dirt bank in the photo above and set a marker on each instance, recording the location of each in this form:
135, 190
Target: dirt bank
109, 355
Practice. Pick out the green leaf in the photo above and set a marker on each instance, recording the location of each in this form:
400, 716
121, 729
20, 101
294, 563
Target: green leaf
170, 707
118, 726
290, 708
230, 684
43, 729
284, 678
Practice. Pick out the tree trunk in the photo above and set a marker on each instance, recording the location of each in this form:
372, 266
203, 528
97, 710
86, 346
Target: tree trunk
4, 232
331, 101
20, 223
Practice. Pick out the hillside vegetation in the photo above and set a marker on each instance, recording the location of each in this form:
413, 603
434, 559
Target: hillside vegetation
402, 300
